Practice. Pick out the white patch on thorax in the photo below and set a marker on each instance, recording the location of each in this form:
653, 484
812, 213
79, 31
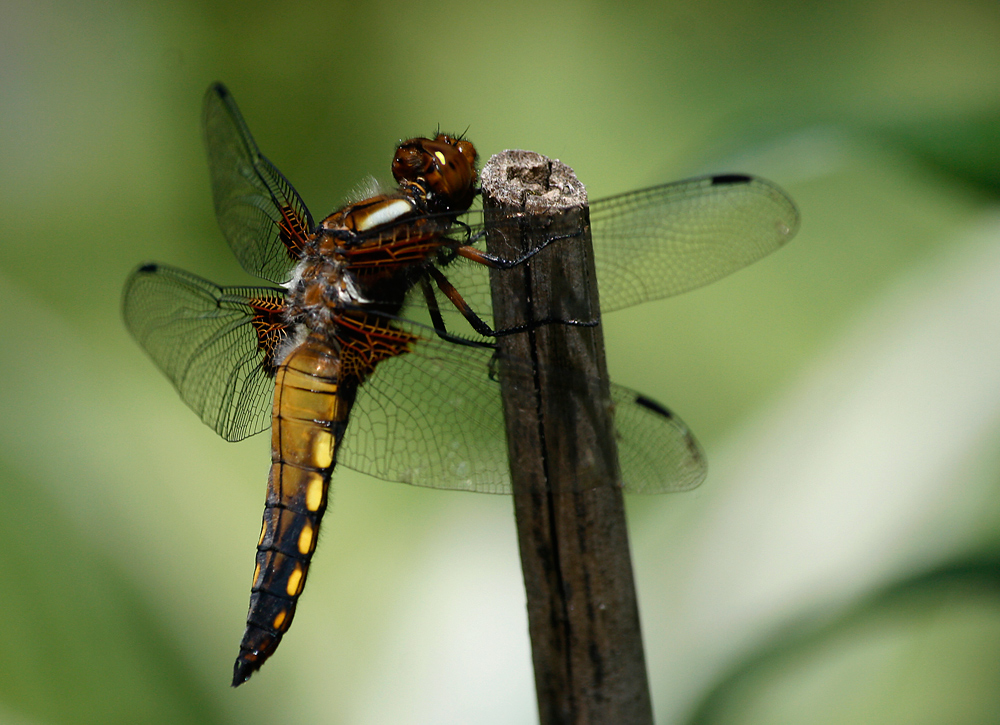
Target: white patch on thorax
348, 293
292, 283
298, 336
388, 213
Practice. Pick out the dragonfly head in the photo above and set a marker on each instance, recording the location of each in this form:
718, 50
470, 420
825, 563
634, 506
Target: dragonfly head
444, 165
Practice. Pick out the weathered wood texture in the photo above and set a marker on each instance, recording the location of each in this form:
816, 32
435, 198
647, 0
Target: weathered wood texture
582, 612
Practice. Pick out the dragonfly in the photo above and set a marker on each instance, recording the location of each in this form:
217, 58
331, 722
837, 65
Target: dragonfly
372, 346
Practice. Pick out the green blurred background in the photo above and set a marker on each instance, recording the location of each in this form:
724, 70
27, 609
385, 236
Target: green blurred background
840, 565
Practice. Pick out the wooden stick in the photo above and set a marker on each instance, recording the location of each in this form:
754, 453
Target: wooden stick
582, 612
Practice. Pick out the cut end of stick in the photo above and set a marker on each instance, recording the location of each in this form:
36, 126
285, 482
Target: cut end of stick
532, 182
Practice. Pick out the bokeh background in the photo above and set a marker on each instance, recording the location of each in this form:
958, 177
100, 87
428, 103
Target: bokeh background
841, 563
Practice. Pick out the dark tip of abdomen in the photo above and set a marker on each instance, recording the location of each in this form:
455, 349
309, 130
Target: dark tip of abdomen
242, 670
257, 645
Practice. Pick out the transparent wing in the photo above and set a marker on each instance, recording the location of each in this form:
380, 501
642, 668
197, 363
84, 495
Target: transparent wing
433, 417
260, 213
669, 239
656, 450
212, 342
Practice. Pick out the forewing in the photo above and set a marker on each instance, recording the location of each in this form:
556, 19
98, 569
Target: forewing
215, 344
662, 241
433, 417
260, 213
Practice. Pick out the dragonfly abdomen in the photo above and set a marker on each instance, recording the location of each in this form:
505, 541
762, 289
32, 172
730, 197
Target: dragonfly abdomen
311, 407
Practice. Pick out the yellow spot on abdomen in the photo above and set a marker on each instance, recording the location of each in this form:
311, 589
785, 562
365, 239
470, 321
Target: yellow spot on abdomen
279, 620
256, 574
263, 530
314, 492
306, 539
295, 581
322, 453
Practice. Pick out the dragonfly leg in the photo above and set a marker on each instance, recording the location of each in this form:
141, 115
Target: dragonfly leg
455, 297
477, 323
497, 262
438, 320
535, 324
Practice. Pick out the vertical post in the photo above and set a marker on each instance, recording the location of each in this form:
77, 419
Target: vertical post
582, 612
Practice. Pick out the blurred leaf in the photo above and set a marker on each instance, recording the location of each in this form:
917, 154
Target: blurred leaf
925, 650
80, 645
965, 146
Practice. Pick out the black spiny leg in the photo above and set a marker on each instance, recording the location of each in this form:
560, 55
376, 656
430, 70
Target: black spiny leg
438, 321
477, 323
495, 262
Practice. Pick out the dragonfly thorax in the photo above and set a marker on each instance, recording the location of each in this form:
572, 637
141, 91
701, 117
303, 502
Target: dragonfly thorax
321, 289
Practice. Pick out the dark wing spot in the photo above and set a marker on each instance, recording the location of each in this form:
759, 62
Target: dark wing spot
652, 405
724, 179
148, 268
